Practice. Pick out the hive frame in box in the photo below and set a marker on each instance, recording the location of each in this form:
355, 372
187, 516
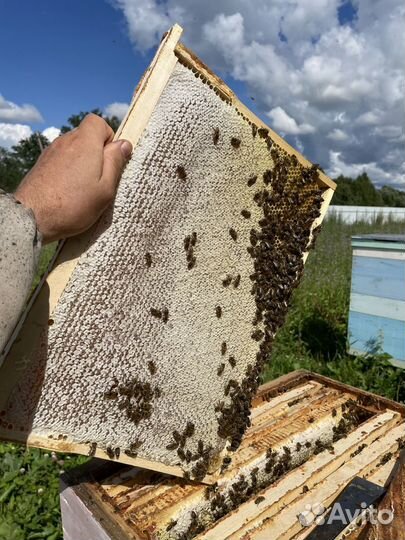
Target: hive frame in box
95, 493
42, 304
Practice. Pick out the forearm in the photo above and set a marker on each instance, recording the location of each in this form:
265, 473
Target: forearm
20, 244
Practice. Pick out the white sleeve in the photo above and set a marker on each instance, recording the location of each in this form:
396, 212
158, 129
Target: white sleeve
20, 245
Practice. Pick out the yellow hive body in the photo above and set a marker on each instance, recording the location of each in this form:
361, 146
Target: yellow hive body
163, 315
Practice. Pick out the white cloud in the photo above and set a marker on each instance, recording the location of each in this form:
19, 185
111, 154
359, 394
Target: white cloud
11, 112
389, 132
117, 109
338, 135
369, 118
51, 133
11, 134
379, 175
286, 124
339, 88
147, 21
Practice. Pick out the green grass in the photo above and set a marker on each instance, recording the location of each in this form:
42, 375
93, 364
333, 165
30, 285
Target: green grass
29, 492
315, 333
46, 255
314, 337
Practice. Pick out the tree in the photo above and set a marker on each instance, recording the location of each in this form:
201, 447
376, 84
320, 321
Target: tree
365, 193
392, 197
10, 171
362, 192
75, 119
15, 163
27, 151
343, 194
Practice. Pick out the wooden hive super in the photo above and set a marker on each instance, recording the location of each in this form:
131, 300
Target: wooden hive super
310, 437
146, 343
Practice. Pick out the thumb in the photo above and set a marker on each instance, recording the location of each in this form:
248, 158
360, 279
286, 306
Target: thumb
116, 155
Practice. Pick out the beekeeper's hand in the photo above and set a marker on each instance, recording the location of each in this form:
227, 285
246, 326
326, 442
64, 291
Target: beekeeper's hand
75, 179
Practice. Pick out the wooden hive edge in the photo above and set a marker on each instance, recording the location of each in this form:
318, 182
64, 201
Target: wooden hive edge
291, 380
362, 465
300, 376
289, 488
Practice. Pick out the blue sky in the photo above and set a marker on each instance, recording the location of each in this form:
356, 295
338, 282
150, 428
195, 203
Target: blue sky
328, 75
66, 56
71, 56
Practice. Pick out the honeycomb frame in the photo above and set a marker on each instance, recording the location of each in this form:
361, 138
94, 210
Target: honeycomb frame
310, 192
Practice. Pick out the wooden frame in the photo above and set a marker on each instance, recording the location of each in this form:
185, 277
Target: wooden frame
319, 474
44, 301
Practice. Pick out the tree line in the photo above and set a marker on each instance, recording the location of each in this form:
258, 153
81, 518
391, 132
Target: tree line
361, 191
16, 162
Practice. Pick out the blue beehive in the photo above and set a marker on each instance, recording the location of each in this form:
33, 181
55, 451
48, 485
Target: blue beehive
377, 300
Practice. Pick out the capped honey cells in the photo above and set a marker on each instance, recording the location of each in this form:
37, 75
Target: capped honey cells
182, 286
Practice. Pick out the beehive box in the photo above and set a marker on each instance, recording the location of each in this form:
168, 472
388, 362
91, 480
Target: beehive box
146, 343
310, 436
377, 299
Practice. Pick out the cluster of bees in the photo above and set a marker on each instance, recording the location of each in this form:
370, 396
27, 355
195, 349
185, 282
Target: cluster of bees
224, 501
199, 459
134, 396
289, 201
278, 464
352, 416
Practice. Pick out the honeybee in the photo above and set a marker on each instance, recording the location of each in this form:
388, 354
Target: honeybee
235, 142
187, 241
181, 172
148, 259
165, 315
263, 132
234, 234
190, 428
152, 367
171, 524
172, 446
92, 450
110, 452
252, 181
232, 361
220, 369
